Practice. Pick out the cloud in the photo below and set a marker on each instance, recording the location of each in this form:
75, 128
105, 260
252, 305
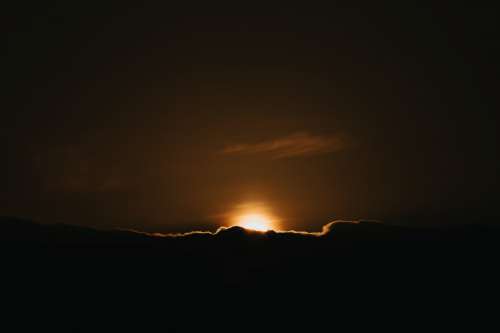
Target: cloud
334, 233
295, 145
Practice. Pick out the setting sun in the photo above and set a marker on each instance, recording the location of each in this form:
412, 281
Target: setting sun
257, 216
255, 222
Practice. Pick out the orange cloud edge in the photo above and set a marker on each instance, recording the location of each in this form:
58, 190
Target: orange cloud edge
326, 229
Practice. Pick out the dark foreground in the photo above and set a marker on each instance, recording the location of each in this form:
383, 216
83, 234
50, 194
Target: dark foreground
93, 280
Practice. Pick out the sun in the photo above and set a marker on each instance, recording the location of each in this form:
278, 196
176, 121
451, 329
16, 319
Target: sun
256, 216
257, 222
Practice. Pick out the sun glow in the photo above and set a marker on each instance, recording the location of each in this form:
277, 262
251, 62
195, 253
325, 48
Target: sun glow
256, 216
255, 222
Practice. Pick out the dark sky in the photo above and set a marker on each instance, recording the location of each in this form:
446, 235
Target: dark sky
169, 118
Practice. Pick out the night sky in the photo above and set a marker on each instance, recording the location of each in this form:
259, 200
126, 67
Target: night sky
171, 118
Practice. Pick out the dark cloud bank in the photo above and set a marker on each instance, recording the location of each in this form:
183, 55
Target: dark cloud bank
20, 231
251, 253
359, 266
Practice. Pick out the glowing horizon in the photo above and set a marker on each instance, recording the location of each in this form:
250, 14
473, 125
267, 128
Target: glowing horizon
255, 221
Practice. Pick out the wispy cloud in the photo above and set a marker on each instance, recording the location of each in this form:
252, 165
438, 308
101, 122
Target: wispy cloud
295, 145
